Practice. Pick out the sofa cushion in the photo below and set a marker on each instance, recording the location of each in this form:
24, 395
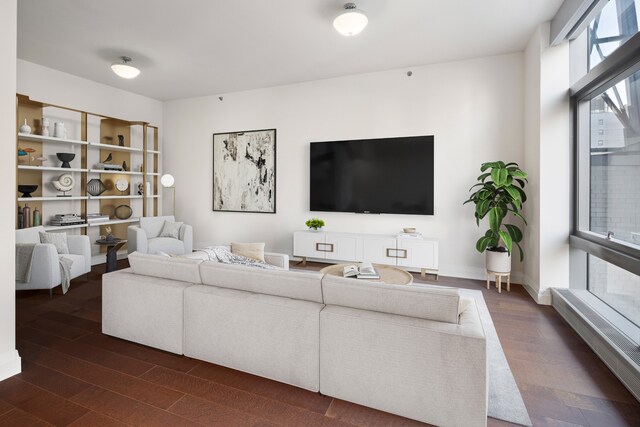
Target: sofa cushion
291, 284
59, 240
165, 244
152, 225
171, 229
249, 250
182, 269
414, 300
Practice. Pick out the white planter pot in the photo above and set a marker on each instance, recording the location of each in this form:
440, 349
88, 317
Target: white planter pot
499, 262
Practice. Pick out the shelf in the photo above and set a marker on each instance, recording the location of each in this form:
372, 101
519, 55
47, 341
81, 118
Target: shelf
114, 197
152, 152
152, 196
50, 168
153, 174
114, 221
63, 227
115, 172
31, 137
114, 147
51, 198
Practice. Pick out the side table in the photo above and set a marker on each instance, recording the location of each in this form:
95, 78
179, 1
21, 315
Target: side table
112, 252
498, 277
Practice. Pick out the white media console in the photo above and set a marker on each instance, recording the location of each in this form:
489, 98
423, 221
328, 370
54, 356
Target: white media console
419, 254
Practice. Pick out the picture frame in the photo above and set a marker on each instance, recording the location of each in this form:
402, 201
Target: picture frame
244, 171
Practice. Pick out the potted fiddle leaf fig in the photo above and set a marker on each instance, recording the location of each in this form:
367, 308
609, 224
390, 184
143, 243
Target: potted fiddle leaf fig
499, 194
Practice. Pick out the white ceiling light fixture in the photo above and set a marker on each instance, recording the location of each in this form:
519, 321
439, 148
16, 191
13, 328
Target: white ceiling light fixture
351, 21
124, 69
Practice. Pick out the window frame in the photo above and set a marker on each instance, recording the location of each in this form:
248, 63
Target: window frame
622, 63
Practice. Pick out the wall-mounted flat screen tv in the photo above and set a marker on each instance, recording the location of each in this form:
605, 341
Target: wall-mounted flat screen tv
388, 175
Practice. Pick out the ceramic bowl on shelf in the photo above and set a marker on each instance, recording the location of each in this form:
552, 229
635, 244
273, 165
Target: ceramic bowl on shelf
409, 229
65, 158
26, 190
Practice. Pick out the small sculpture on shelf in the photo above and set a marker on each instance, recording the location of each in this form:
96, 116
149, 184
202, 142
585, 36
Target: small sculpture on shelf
27, 189
121, 140
45, 126
29, 156
65, 158
95, 187
124, 165
108, 159
65, 183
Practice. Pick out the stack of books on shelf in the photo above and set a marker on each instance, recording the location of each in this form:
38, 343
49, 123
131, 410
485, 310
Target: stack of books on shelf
61, 220
109, 167
94, 218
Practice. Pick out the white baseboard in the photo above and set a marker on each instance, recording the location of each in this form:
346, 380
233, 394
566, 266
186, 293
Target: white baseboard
543, 297
10, 364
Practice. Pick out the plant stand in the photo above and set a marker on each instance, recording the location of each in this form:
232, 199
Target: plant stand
498, 279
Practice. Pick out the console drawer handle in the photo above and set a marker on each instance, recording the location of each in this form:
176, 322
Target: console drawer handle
330, 245
403, 256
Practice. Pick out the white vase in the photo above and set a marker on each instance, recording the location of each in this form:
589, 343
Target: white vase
58, 130
25, 128
498, 262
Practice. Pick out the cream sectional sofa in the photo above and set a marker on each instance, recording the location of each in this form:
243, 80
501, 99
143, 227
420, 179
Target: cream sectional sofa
418, 351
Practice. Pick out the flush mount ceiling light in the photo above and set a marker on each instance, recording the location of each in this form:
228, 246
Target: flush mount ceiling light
124, 69
351, 21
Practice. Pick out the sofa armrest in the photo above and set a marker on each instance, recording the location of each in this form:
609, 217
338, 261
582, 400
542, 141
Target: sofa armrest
81, 245
137, 240
45, 267
186, 235
278, 260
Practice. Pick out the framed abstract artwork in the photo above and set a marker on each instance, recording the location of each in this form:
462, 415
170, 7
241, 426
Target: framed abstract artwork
244, 171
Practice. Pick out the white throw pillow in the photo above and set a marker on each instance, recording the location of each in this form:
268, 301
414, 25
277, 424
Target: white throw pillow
249, 250
171, 229
59, 240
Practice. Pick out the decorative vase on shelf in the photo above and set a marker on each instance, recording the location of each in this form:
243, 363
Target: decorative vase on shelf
45, 126
25, 128
37, 219
58, 130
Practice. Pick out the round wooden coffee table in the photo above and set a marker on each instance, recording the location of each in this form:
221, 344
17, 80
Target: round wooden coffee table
388, 274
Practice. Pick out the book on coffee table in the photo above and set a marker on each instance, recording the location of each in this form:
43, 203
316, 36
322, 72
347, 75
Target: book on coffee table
363, 271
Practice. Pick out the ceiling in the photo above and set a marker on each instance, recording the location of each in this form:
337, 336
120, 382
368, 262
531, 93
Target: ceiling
191, 48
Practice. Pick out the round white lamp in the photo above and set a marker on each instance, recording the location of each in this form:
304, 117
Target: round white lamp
168, 181
123, 68
351, 21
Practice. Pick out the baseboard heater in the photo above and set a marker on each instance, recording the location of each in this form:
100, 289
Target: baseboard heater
619, 353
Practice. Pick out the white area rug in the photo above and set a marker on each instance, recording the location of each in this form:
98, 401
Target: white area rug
505, 400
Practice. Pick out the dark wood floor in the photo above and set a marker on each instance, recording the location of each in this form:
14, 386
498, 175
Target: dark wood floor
74, 375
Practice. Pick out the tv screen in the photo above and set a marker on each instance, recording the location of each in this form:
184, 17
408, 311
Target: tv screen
389, 175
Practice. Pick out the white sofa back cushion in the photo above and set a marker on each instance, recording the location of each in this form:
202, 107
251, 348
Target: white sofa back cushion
29, 235
175, 268
406, 300
152, 225
290, 284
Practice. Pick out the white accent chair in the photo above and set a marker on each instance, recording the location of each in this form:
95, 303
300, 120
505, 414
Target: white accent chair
45, 263
145, 238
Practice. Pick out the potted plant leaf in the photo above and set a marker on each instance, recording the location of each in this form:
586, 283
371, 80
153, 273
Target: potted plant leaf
498, 194
314, 224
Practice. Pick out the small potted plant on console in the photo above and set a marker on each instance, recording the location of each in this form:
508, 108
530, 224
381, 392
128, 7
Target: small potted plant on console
499, 193
314, 224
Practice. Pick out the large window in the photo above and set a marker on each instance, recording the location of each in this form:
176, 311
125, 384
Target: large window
606, 106
612, 27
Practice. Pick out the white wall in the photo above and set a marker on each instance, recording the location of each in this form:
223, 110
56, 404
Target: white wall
474, 108
548, 160
55, 87
9, 358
